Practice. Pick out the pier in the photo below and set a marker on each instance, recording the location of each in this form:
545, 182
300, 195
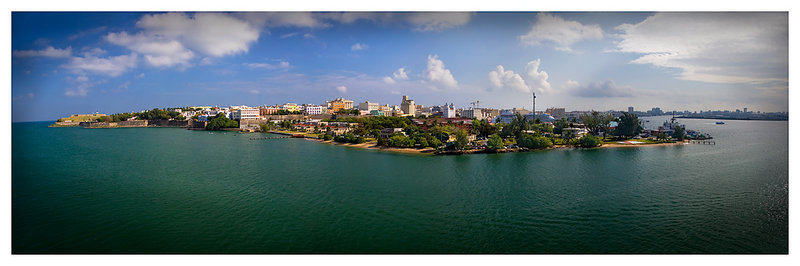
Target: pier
705, 142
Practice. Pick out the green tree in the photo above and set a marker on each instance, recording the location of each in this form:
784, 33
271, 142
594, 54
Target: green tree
495, 143
589, 141
679, 133
462, 140
597, 122
629, 125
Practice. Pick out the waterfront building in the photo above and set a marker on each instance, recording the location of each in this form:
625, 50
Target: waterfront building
340, 103
408, 106
388, 132
246, 113
368, 106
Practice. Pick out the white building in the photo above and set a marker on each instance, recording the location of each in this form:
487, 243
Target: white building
316, 109
472, 113
408, 106
448, 111
367, 106
246, 113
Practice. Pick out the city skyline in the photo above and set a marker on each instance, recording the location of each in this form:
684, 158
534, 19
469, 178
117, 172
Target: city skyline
65, 63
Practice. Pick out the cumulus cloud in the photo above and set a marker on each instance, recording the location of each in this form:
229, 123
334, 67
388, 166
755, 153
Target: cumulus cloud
401, 74
537, 79
157, 51
563, 33
174, 39
341, 89
712, 47
388, 80
439, 76
282, 64
111, 66
358, 47
502, 78
46, 52
605, 89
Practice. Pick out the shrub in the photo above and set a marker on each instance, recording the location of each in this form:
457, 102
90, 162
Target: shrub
589, 141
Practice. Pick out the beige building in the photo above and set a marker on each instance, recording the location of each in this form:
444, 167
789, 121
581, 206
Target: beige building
408, 106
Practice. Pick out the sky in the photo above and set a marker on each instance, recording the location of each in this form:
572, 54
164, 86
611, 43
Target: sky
66, 63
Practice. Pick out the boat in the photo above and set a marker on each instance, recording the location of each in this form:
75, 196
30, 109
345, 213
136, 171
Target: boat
720, 123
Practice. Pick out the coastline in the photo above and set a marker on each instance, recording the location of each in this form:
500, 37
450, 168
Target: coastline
373, 146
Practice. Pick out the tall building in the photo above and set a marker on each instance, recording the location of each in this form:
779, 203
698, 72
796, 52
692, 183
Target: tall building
341, 103
315, 109
448, 111
630, 109
407, 106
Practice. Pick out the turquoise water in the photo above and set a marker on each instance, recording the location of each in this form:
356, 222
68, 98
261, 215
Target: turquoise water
167, 190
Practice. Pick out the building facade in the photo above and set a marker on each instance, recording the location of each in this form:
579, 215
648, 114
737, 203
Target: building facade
448, 111
341, 103
246, 113
407, 106
368, 106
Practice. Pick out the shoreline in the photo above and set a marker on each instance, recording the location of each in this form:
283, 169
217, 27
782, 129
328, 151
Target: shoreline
431, 151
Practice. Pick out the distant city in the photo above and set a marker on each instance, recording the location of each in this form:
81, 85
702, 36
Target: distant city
407, 107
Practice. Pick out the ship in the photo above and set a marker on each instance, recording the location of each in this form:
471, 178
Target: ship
720, 123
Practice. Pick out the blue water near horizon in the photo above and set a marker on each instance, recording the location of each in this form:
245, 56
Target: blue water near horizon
167, 190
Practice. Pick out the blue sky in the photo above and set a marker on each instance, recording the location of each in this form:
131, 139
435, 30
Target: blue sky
65, 63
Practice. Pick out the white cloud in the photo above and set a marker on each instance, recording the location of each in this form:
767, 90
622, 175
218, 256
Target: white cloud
174, 39
605, 89
282, 64
157, 51
712, 47
254, 92
283, 19
111, 66
214, 34
563, 33
80, 86
439, 76
534, 80
47, 52
141, 75
341, 89
501, 78
437, 21
537, 79
291, 34
401, 74
388, 80
358, 47
309, 36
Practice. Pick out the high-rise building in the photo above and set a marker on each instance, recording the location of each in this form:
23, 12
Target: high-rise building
630, 109
407, 106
